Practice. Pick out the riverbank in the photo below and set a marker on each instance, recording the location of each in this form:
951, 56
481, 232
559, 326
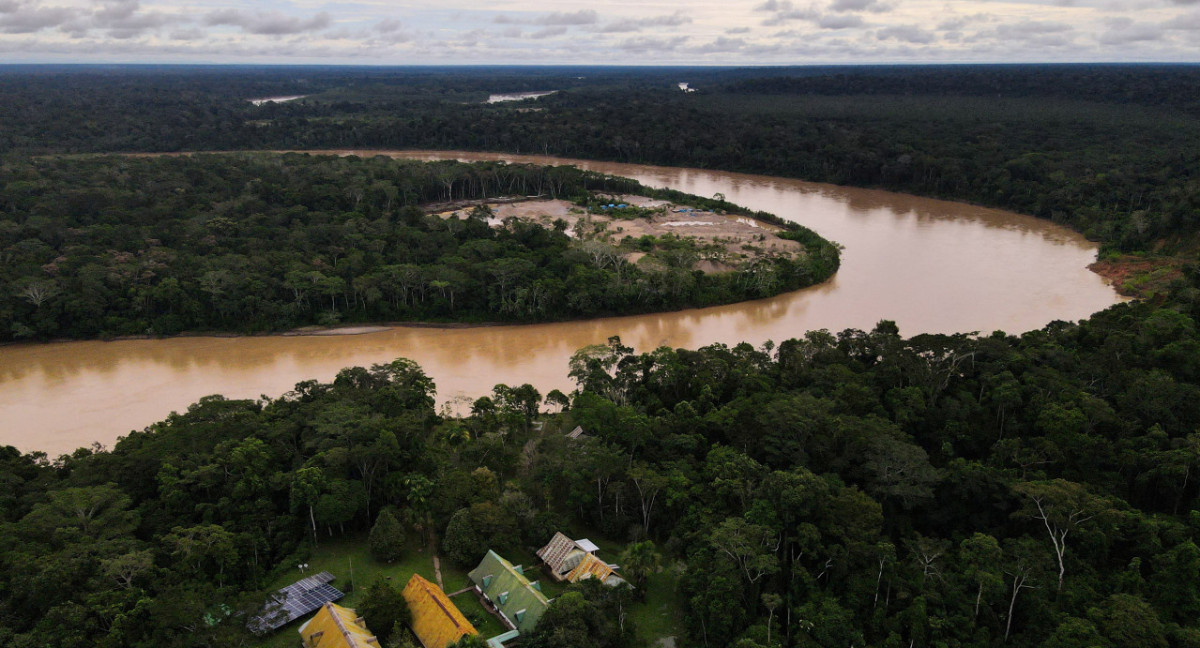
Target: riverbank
930, 266
294, 241
1141, 277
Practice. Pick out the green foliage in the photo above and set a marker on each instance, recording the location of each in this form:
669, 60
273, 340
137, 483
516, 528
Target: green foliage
387, 538
590, 615
384, 609
259, 242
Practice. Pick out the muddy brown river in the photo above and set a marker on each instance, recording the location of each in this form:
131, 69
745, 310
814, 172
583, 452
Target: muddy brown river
932, 266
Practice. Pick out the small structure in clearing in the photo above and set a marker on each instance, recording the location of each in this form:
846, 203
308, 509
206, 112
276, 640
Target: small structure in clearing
574, 560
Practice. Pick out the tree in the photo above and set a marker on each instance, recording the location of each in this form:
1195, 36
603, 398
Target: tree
307, 484
1062, 507
1129, 622
638, 562
382, 608
981, 560
751, 547
128, 567
387, 539
1021, 565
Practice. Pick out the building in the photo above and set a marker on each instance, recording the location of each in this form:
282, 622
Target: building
520, 602
334, 626
562, 554
435, 620
593, 567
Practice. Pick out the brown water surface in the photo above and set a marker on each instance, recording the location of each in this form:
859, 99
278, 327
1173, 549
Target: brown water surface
932, 266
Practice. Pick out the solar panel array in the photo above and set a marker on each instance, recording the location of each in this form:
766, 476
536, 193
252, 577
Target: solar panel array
294, 601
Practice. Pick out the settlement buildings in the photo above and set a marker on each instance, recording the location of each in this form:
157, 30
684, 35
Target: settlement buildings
435, 620
334, 626
573, 560
520, 602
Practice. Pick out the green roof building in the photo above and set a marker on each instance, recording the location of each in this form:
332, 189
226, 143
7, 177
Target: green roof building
518, 600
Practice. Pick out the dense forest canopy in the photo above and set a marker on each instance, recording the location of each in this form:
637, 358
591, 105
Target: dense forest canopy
105, 246
1107, 149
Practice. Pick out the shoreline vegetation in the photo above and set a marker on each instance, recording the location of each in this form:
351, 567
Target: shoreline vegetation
262, 242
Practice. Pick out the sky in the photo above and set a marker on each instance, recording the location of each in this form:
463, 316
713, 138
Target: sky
598, 32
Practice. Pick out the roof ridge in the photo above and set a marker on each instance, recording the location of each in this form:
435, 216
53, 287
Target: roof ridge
438, 600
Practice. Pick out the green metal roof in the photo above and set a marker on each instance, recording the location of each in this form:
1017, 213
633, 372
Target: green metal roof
519, 600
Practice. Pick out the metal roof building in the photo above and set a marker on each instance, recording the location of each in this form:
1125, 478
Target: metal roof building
519, 601
593, 567
436, 621
334, 626
562, 554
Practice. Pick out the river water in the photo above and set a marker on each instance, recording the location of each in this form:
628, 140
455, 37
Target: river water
932, 266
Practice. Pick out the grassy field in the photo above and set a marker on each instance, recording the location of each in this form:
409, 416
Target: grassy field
659, 616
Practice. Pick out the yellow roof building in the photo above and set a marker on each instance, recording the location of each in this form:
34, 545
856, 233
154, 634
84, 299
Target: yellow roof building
435, 620
334, 626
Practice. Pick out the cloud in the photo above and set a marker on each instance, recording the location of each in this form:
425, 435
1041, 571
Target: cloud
26, 20
1029, 29
960, 22
8, 6
581, 17
192, 34
738, 30
1132, 33
839, 22
784, 11
672, 20
873, 6
649, 44
621, 27
905, 34
549, 32
271, 23
722, 44
1189, 22
387, 26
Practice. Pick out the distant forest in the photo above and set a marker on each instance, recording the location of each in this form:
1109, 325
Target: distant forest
1113, 151
105, 246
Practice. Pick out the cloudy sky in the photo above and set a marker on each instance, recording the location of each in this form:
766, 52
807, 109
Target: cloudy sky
686, 32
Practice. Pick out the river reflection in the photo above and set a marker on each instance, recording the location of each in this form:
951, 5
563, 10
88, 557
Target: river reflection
931, 266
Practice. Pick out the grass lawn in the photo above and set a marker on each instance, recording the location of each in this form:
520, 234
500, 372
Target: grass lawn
662, 613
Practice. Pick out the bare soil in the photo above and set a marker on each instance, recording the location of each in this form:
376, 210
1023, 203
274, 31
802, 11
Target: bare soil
1135, 276
729, 241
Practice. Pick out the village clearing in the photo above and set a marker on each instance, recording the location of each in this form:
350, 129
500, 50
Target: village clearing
641, 230
658, 618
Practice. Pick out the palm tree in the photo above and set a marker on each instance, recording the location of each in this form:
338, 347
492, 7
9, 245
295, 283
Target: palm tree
638, 562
